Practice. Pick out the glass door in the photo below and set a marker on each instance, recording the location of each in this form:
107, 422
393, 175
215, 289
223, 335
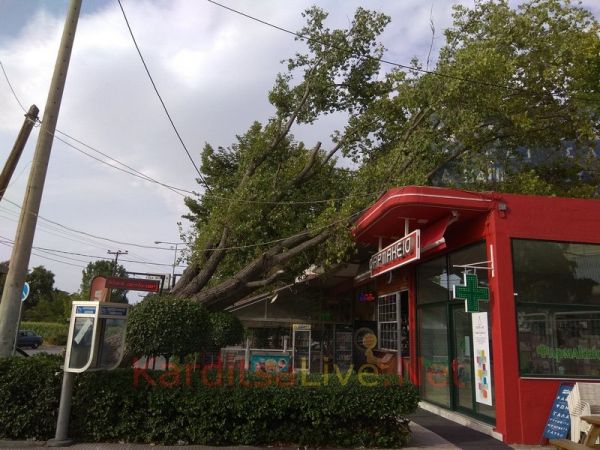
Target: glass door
463, 366
462, 360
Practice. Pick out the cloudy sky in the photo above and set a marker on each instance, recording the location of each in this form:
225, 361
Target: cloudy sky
213, 69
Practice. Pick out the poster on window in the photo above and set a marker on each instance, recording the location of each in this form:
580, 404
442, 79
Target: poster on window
481, 356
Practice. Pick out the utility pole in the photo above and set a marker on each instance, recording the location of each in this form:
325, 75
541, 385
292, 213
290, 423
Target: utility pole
13, 159
117, 253
114, 269
19, 260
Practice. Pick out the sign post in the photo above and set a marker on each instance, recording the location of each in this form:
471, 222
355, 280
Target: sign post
24, 295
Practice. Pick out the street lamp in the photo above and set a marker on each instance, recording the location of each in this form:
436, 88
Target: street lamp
175, 244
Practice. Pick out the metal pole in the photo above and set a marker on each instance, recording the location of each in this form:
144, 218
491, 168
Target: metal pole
61, 438
15, 154
174, 264
17, 329
19, 260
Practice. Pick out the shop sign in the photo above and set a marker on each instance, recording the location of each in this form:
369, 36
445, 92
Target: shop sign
401, 252
301, 327
471, 293
366, 297
481, 350
133, 284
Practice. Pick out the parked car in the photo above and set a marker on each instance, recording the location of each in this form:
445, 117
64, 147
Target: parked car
28, 338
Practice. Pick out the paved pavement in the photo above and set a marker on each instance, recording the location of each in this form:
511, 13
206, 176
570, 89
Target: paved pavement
45, 348
429, 432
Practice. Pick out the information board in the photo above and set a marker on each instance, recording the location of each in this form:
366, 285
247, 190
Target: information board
481, 350
559, 420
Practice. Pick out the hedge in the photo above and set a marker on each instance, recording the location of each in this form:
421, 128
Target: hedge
178, 407
53, 333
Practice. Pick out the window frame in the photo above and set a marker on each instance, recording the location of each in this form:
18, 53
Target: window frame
551, 309
396, 322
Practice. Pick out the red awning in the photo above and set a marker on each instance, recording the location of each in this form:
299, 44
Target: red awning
432, 237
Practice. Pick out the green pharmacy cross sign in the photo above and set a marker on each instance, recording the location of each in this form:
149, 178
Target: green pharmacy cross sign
471, 292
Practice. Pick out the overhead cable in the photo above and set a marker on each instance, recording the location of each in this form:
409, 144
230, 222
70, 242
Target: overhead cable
381, 60
161, 99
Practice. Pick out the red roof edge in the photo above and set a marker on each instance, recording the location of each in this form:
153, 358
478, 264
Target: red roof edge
425, 196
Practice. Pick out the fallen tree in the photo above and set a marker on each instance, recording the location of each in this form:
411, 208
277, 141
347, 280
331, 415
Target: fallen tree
512, 104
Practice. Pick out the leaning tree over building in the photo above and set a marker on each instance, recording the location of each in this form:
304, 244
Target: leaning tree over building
512, 104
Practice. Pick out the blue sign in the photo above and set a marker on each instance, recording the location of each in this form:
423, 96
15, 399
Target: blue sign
559, 420
85, 310
112, 311
25, 292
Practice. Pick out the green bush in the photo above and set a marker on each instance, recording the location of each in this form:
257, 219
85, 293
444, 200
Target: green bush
167, 326
177, 406
53, 333
29, 394
225, 329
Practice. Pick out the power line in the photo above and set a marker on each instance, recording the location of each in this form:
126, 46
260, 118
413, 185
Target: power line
47, 257
114, 241
11, 88
63, 252
381, 60
161, 100
177, 190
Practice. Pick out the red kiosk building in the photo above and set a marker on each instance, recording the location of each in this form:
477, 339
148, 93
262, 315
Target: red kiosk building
537, 292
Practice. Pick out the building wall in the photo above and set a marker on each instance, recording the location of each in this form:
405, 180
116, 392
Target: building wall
523, 404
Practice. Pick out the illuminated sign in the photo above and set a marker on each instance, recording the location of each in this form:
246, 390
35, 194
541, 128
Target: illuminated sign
366, 297
133, 284
401, 252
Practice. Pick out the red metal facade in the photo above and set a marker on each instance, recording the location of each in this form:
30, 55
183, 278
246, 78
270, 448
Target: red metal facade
522, 404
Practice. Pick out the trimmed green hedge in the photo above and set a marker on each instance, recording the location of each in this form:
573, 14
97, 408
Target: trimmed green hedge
53, 333
178, 407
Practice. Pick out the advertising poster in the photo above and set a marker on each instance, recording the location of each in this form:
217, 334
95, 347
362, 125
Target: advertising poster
269, 363
481, 356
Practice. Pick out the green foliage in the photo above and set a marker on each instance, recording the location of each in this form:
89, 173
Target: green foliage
103, 268
41, 286
167, 326
29, 395
225, 329
53, 333
513, 90
110, 406
52, 309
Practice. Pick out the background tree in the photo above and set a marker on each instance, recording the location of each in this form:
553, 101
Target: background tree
41, 287
50, 309
103, 268
513, 104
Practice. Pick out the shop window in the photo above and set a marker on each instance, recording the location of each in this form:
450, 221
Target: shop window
432, 281
557, 294
387, 321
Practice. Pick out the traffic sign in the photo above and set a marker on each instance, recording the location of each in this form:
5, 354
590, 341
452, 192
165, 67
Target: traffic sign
25, 292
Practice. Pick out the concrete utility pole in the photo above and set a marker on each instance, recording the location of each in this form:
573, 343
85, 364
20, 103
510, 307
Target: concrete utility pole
19, 260
15, 154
